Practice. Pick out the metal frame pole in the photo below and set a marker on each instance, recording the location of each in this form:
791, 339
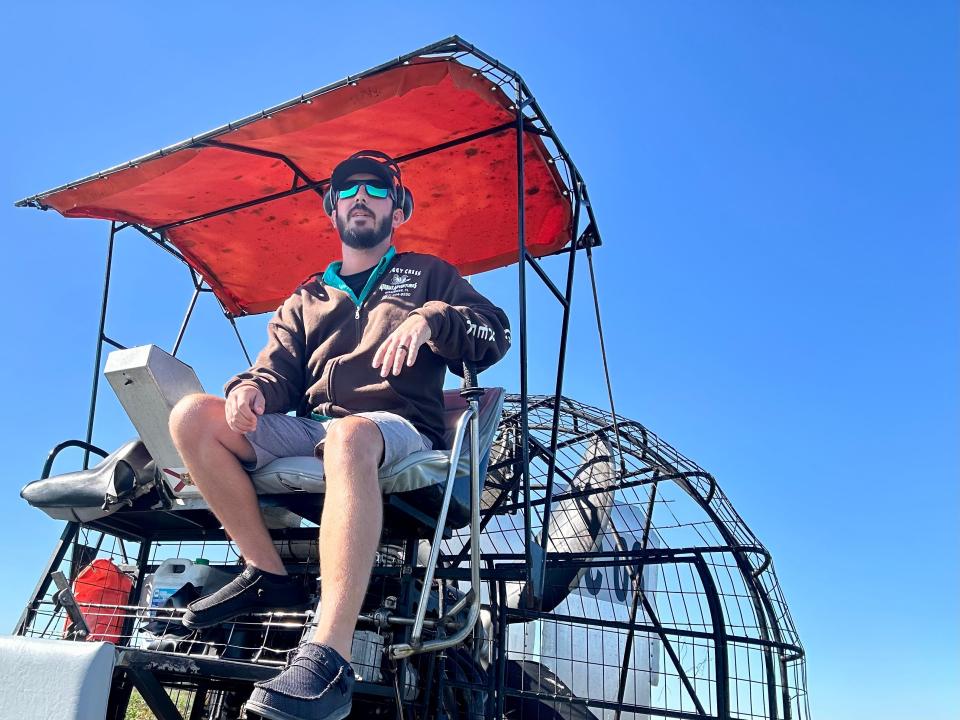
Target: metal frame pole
236, 330
189, 313
67, 537
100, 337
603, 352
561, 365
720, 658
531, 556
637, 587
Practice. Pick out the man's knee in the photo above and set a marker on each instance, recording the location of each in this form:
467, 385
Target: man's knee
194, 417
354, 440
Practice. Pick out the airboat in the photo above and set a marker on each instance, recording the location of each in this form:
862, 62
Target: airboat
557, 561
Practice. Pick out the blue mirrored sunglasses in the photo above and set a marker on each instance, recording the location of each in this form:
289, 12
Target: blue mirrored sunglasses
374, 188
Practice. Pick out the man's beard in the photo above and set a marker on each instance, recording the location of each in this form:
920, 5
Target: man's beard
365, 238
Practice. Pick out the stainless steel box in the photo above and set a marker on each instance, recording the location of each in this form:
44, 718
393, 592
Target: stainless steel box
148, 383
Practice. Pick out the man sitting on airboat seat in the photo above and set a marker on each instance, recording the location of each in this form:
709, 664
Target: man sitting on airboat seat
359, 352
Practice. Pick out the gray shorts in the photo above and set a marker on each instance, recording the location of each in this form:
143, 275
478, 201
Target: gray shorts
279, 436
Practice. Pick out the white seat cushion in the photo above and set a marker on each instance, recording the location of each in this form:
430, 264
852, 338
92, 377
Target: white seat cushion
413, 472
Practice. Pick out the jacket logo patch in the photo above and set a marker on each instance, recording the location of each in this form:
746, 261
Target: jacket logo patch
398, 285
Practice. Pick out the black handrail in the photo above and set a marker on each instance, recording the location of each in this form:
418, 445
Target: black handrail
48, 465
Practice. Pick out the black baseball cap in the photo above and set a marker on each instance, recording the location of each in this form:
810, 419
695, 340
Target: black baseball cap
373, 162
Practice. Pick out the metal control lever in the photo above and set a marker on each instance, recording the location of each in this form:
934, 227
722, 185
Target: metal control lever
65, 597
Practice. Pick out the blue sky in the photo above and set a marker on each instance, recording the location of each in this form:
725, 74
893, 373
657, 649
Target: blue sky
777, 189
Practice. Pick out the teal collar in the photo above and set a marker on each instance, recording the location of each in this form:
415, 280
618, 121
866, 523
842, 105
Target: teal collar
331, 276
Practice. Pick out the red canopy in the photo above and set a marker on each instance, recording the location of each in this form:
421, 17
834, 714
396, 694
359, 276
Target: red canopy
253, 257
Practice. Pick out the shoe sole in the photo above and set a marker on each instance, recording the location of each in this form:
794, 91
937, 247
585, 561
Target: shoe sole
266, 713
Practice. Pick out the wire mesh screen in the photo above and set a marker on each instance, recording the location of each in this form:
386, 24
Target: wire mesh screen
657, 599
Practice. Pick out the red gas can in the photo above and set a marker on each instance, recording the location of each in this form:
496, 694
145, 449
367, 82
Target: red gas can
100, 589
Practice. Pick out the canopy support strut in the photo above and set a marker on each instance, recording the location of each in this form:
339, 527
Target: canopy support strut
319, 185
100, 340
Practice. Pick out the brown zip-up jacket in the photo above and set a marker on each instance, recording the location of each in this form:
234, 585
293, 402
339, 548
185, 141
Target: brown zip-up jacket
320, 347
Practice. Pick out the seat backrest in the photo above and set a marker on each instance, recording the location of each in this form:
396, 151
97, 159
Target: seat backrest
82, 671
490, 407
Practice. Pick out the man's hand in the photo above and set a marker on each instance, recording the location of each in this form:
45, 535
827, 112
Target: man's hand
244, 404
401, 346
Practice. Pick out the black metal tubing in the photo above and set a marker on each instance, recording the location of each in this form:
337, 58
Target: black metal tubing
159, 241
56, 557
496, 619
143, 558
561, 298
634, 604
237, 207
199, 699
319, 185
548, 130
586, 492
763, 609
186, 317
502, 644
543, 450
488, 516
610, 558
521, 614
533, 559
57, 449
721, 660
236, 330
114, 343
566, 301
212, 671
619, 426
297, 171
661, 631
154, 695
121, 687
100, 339
603, 351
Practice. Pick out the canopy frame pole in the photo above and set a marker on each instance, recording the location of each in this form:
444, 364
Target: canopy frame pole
566, 302
100, 340
197, 289
159, 240
532, 555
296, 169
233, 324
320, 185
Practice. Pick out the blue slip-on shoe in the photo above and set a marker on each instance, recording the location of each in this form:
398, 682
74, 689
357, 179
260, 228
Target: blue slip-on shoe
317, 685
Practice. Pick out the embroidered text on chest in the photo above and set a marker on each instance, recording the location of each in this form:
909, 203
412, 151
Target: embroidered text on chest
400, 282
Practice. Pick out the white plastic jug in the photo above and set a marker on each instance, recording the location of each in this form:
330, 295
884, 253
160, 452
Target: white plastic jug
174, 573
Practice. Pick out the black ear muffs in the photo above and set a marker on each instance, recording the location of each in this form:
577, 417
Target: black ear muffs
328, 202
406, 202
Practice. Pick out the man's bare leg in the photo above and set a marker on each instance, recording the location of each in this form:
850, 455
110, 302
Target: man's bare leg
212, 453
349, 528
